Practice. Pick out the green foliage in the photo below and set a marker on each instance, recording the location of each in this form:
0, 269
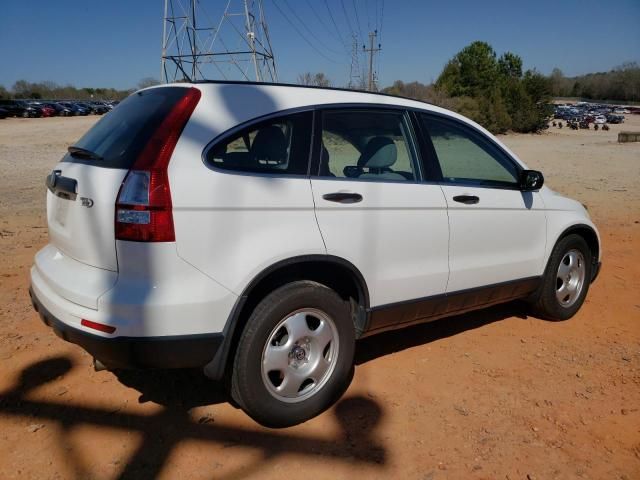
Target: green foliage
470, 72
510, 65
622, 84
496, 93
52, 91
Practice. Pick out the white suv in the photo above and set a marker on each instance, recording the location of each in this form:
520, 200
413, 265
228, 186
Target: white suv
258, 230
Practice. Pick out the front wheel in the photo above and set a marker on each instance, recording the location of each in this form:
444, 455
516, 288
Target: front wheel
295, 356
566, 279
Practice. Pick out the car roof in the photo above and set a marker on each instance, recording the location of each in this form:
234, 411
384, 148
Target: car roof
262, 98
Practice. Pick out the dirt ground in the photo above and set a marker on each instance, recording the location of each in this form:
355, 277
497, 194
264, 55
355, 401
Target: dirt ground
495, 394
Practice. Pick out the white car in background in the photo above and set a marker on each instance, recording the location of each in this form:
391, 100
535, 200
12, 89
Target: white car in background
258, 230
600, 119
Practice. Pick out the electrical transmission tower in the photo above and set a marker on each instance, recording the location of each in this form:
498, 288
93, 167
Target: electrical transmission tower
237, 47
371, 85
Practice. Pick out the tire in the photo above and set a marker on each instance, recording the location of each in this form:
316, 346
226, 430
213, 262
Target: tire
314, 327
25, 114
563, 291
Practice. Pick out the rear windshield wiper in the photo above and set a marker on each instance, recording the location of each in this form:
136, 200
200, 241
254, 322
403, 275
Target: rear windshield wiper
83, 153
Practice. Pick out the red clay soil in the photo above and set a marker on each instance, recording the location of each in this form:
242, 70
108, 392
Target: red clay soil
496, 394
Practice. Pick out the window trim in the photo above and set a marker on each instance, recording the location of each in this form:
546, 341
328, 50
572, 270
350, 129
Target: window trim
228, 134
421, 141
474, 133
411, 134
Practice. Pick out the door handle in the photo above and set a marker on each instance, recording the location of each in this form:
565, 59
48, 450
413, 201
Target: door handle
343, 197
466, 199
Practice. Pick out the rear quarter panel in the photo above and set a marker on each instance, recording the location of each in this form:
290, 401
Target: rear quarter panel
229, 225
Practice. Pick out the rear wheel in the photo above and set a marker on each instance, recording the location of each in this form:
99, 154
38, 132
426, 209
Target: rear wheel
295, 355
566, 280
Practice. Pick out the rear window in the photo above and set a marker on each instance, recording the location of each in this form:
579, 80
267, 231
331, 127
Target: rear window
121, 134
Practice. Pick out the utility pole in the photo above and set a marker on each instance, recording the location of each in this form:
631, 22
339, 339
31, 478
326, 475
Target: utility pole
236, 47
371, 51
354, 72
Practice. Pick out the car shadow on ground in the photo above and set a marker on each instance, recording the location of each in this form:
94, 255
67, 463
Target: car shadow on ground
356, 442
386, 343
190, 388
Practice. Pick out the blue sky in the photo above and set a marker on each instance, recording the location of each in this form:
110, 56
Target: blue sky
115, 43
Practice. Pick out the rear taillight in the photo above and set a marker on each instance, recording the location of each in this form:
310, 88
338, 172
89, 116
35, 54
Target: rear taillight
143, 208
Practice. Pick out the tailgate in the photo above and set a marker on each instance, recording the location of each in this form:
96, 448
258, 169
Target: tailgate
82, 193
80, 212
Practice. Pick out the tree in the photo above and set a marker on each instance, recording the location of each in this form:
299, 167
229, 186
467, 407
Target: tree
21, 89
147, 82
496, 93
510, 65
471, 71
314, 79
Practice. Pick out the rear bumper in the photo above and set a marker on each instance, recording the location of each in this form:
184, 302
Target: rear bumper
182, 351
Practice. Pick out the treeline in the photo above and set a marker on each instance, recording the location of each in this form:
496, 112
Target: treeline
53, 91
492, 91
620, 84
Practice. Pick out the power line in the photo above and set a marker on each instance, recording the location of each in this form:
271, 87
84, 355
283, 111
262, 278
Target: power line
320, 42
275, 4
346, 16
322, 22
355, 9
381, 21
334, 23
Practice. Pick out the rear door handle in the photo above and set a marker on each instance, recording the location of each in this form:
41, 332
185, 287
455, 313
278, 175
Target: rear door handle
466, 199
343, 197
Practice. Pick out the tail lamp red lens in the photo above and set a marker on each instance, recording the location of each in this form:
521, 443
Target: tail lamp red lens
144, 207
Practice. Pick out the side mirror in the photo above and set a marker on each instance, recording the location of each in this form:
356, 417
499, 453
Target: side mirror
531, 180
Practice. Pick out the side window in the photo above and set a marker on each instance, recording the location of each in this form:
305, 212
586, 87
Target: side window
367, 145
465, 157
276, 146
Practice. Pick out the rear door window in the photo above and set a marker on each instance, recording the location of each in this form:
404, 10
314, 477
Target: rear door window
121, 134
278, 146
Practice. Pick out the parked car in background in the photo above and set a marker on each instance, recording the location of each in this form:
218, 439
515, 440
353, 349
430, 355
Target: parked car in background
600, 120
75, 108
98, 108
3, 113
258, 230
46, 110
20, 108
32, 110
61, 110
613, 118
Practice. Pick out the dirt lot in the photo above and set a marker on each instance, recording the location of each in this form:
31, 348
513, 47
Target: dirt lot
495, 394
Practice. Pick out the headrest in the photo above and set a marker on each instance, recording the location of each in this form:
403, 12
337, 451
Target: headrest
270, 144
380, 152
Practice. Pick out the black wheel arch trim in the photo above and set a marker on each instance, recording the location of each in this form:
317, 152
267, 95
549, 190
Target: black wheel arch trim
217, 367
595, 260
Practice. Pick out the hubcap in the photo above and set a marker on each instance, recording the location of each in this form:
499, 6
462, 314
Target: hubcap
570, 278
300, 355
